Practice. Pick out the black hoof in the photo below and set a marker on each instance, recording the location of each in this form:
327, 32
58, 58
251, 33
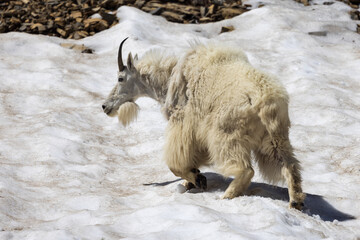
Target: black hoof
189, 186
297, 205
194, 170
201, 181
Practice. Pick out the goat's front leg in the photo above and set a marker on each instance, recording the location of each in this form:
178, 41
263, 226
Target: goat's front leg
179, 156
200, 181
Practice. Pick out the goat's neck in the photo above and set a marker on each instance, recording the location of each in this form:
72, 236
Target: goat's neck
154, 88
155, 70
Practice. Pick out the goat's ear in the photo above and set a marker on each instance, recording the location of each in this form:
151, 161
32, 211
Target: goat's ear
136, 58
130, 62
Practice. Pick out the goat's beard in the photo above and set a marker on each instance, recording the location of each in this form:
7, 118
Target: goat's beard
127, 113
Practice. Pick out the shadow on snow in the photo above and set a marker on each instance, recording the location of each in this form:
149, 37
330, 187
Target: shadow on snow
314, 204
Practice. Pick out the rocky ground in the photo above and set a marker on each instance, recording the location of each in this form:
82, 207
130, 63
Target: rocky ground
75, 19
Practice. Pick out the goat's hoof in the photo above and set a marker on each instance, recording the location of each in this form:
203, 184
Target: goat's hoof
297, 205
225, 197
200, 181
188, 185
229, 194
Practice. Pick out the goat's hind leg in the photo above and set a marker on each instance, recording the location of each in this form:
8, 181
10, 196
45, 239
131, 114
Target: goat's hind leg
276, 157
234, 155
240, 183
291, 172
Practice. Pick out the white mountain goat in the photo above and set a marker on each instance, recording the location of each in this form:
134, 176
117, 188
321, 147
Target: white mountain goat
220, 109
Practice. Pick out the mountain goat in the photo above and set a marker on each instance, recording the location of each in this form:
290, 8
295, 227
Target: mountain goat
220, 109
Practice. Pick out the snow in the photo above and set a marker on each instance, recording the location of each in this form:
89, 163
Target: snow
70, 172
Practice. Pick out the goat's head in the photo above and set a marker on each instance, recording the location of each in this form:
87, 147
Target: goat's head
126, 89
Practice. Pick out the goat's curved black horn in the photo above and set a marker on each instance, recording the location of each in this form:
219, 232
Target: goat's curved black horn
120, 62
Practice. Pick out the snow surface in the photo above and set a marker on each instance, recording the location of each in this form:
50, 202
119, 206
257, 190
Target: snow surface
70, 172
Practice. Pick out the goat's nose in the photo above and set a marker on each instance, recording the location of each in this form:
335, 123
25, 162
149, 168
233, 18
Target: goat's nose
103, 107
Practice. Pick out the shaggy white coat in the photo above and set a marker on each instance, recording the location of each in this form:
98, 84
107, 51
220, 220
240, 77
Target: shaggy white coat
220, 109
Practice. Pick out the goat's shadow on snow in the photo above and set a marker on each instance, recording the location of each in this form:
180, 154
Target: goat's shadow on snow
314, 204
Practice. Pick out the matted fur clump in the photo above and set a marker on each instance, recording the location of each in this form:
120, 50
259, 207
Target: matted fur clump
128, 112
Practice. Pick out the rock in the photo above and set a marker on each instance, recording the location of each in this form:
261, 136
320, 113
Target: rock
231, 12
39, 26
305, 2
76, 14
77, 47
61, 32
205, 20
82, 34
355, 1
139, 3
50, 24
203, 11
101, 25
211, 9
355, 15
22, 28
2, 28
319, 33
60, 21
96, 24
156, 11
15, 20
174, 17
109, 18
227, 29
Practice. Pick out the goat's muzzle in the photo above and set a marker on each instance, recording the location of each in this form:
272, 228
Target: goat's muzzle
106, 109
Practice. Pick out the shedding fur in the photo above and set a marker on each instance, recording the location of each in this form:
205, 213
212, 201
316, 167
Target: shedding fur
220, 110
128, 112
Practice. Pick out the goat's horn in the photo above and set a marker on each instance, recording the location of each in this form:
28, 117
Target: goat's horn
120, 62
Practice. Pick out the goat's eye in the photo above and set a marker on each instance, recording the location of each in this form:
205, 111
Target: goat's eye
120, 79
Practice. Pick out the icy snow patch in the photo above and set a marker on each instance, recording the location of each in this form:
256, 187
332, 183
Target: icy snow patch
68, 171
